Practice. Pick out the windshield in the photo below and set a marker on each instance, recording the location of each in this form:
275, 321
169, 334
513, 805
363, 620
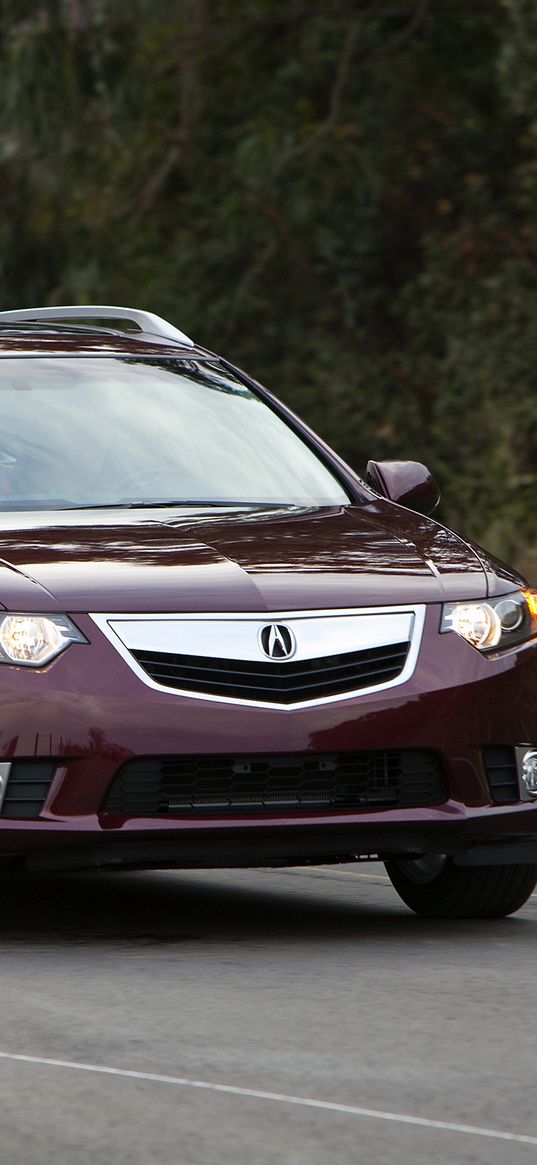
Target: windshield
119, 431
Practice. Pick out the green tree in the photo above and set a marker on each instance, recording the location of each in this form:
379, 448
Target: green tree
340, 196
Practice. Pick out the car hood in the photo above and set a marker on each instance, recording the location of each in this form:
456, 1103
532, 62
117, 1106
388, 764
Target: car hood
276, 559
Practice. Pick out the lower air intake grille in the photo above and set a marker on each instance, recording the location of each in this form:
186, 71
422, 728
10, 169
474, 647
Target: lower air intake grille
500, 766
277, 683
27, 788
186, 785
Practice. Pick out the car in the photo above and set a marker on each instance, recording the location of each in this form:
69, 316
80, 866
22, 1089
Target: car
221, 647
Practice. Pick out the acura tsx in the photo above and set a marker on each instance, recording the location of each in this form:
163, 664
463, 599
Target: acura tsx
219, 646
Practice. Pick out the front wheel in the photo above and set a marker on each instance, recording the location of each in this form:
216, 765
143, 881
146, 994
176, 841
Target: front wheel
436, 888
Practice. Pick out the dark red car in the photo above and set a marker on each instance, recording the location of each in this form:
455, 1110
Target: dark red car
220, 647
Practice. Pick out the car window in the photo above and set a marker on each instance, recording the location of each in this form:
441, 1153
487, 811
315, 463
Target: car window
100, 431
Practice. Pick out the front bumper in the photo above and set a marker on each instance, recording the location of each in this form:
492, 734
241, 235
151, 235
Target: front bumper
89, 714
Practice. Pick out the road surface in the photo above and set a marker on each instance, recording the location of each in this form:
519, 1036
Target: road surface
289, 1017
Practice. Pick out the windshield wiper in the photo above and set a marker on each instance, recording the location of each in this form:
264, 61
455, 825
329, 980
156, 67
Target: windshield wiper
183, 503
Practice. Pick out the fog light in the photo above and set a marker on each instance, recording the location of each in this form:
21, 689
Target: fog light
528, 771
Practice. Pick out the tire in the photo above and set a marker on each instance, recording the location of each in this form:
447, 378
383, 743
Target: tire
435, 888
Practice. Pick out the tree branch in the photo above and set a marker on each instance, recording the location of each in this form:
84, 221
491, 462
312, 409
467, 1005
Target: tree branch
250, 276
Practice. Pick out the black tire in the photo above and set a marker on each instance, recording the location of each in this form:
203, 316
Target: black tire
435, 888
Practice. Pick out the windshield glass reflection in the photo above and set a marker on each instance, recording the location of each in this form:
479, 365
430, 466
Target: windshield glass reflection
118, 431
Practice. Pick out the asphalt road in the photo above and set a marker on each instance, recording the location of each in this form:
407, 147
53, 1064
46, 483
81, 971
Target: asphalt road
302, 985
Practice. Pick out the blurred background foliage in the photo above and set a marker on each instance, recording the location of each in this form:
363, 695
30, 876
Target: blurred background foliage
341, 196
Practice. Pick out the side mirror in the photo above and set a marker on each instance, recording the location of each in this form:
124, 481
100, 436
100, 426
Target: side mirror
408, 483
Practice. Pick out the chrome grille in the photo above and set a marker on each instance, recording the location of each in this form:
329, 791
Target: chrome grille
276, 683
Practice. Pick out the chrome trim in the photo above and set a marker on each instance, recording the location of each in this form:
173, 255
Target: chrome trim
520, 753
241, 642
5, 769
238, 637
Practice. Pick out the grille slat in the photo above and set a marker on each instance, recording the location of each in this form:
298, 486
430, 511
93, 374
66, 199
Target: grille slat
184, 786
289, 694
500, 766
201, 675
251, 668
27, 788
281, 683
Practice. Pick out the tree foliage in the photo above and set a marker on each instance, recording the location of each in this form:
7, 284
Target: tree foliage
341, 196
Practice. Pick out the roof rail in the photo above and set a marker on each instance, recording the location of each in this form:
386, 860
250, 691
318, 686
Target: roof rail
145, 321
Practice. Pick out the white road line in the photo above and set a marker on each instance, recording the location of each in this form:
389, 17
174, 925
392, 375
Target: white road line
316, 872
280, 1097
351, 874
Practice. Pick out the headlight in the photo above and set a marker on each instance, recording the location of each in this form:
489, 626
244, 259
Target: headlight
494, 623
33, 640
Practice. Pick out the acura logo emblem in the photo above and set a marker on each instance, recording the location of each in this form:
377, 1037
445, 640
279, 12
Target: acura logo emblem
277, 641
